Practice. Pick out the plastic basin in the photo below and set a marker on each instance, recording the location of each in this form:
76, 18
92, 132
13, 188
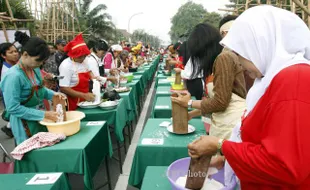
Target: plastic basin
179, 168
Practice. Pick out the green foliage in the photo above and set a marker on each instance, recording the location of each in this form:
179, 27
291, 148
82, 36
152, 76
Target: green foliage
212, 18
20, 11
188, 16
96, 22
141, 35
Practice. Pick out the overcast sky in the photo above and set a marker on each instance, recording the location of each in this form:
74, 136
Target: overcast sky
156, 13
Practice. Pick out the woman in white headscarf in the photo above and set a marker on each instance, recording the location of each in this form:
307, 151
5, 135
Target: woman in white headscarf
110, 59
273, 148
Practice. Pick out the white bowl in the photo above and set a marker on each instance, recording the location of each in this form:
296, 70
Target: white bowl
123, 82
69, 127
108, 105
88, 105
128, 74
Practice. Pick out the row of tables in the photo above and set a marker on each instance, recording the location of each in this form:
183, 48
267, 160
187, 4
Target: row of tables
83, 152
157, 148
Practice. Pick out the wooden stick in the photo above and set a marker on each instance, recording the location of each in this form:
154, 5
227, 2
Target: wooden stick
73, 15
10, 12
303, 7
308, 15
54, 23
48, 21
62, 24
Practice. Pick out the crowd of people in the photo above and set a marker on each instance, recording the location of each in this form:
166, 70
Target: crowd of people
250, 76
34, 72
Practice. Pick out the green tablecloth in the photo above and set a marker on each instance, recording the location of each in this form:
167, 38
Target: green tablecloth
163, 82
18, 182
130, 98
81, 153
162, 107
163, 91
161, 76
155, 178
116, 117
174, 147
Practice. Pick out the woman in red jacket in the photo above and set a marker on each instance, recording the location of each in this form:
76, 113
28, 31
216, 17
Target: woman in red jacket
273, 149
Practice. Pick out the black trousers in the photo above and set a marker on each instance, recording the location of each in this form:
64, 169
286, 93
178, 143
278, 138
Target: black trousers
195, 88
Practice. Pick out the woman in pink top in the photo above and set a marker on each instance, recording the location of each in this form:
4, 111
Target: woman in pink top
109, 59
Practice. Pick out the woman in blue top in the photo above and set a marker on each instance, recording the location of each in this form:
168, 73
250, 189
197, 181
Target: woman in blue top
8, 57
23, 91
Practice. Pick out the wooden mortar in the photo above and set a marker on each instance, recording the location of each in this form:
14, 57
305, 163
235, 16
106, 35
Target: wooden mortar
179, 117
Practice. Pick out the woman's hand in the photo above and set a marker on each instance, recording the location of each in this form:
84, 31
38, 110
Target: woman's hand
113, 71
205, 145
217, 162
49, 76
51, 115
177, 70
182, 100
89, 97
112, 79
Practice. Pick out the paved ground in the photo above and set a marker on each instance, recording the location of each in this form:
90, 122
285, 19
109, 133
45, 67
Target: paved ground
119, 182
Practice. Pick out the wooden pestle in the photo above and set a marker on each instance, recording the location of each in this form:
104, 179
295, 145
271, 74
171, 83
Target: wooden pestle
56, 101
178, 78
197, 172
179, 117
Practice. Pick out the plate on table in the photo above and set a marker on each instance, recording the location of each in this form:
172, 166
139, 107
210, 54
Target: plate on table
108, 105
88, 105
122, 89
191, 129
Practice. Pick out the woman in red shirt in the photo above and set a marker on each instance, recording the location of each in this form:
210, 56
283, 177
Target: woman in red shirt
271, 148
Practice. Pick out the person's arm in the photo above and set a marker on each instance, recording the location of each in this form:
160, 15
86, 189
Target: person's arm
12, 88
73, 93
194, 113
282, 156
48, 94
223, 86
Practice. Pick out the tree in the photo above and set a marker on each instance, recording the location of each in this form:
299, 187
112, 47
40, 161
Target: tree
141, 35
188, 16
212, 18
20, 11
96, 21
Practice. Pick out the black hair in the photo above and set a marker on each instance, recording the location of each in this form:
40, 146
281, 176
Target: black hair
184, 52
176, 46
21, 37
204, 46
4, 47
128, 45
227, 19
102, 45
36, 47
91, 44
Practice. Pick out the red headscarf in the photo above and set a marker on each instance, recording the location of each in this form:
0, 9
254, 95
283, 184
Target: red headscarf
77, 47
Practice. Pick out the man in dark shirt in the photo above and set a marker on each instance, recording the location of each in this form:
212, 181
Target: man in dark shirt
60, 54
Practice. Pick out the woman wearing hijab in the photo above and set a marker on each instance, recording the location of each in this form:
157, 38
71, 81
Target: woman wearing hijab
272, 145
224, 82
76, 73
110, 59
23, 91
